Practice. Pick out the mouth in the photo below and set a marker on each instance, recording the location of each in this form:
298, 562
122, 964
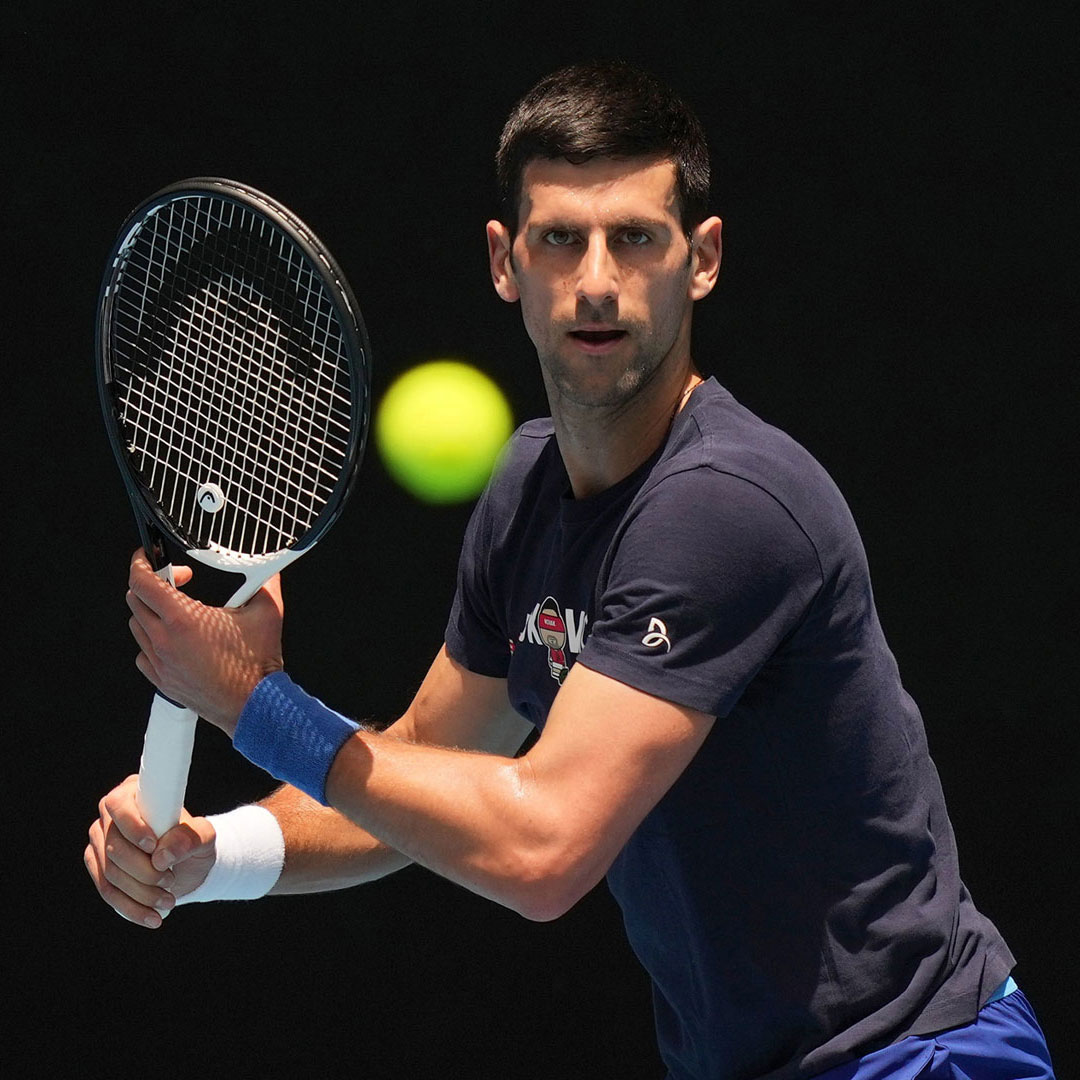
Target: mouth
597, 341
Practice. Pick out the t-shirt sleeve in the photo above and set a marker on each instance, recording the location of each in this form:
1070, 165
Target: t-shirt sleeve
709, 576
475, 637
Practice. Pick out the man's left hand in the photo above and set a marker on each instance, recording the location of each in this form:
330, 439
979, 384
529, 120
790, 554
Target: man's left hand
207, 658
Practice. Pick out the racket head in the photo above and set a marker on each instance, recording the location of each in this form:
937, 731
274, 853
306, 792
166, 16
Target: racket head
223, 322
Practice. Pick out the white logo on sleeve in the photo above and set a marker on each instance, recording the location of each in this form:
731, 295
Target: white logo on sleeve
657, 635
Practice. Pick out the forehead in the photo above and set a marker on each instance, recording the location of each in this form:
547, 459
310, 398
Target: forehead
598, 188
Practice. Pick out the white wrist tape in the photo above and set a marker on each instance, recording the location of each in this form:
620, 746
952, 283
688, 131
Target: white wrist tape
250, 852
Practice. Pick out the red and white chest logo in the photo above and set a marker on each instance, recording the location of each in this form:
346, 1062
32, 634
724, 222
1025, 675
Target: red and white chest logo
560, 630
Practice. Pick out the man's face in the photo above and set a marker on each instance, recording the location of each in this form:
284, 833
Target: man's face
603, 272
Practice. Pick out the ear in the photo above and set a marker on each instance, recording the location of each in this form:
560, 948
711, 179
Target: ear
502, 267
707, 252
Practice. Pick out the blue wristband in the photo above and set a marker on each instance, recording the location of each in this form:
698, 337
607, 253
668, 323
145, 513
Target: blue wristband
290, 734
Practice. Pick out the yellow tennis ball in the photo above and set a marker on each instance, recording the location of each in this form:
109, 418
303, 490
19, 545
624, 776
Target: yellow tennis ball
439, 429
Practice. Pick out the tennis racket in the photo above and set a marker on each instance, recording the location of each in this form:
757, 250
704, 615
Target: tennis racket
234, 373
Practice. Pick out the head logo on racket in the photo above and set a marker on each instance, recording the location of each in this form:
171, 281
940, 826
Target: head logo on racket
210, 498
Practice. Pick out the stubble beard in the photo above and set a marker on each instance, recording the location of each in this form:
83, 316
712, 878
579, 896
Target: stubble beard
600, 387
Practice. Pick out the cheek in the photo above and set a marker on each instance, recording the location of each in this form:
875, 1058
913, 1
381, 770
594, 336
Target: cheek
539, 307
666, 301
533, 319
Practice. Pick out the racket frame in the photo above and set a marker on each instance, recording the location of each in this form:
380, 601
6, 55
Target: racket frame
171, 727
154, 524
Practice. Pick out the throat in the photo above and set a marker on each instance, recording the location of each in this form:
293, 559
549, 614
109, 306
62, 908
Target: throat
601, 450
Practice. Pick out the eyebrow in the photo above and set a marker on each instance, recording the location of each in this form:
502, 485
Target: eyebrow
636, 221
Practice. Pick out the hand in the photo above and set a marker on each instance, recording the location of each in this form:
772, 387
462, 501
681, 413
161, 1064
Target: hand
207, 658
137, 875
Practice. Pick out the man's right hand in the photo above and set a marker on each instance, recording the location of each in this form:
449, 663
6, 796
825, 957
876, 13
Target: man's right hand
138, 875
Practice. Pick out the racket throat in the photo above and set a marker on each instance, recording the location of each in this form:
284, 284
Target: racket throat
256, 569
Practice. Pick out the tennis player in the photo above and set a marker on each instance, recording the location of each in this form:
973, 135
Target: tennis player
723, 733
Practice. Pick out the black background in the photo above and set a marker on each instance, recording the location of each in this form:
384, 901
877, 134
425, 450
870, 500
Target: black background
895, 196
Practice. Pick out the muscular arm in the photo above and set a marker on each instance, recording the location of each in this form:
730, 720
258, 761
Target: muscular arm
534, 833
138, 876
453, 708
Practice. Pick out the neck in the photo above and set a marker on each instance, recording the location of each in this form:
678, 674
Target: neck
601, 446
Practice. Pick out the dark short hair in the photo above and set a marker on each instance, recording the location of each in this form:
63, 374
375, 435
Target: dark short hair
604, 109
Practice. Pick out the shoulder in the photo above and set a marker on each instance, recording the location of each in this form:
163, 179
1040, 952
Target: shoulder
713, 564
712, 531
716, 432
727, 468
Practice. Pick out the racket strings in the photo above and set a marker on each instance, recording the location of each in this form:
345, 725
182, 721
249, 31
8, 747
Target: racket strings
220, 416
231, 370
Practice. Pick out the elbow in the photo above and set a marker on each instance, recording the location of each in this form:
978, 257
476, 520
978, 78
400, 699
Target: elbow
549, 862
537, 906
548, 888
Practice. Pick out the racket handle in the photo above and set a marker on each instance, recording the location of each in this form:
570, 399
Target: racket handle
166, 758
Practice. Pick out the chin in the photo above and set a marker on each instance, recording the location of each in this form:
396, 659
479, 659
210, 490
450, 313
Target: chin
601, 392
603, 381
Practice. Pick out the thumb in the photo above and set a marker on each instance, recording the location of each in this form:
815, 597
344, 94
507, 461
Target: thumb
271, 593
193, 836
181, 575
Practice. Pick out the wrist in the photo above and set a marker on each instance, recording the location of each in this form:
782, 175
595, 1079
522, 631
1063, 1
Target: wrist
290, 734
249, 854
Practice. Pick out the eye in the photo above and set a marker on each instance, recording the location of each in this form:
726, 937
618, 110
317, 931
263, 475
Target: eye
559, 237
635, 237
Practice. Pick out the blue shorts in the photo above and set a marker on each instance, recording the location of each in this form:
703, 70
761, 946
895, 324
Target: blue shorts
1004, 1042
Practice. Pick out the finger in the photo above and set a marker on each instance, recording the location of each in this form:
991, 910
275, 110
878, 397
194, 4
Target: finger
145, 588
142, 638
152, 676
150, 896
147, 660
143, 626
126, 858
180, 573
141, 896
112, 885
120, 808
140, 610
272, 589
154, 591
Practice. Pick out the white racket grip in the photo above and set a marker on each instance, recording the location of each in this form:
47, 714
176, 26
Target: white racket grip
166, 759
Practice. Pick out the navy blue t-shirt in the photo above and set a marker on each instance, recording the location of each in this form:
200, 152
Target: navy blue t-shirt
795, 896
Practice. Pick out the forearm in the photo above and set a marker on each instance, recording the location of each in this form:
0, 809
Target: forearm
326, 849
533, 833
478, 819
453, 707
323, 849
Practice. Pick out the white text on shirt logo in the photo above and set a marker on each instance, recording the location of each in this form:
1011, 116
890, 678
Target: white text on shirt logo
657, 635
576, 623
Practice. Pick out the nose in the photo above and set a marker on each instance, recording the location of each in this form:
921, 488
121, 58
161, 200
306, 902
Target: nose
597, 277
